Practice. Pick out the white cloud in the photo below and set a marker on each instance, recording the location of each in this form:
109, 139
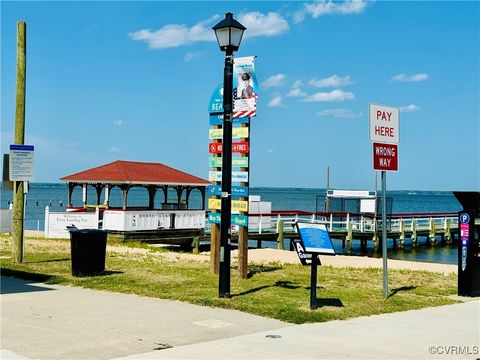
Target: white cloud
295, 91
119, 122
113, 149
327, 7
192, 55
270, 151
259, 24
410, 78
174, 35
274, 81
276, 102
409, 108
339, 113
335, 95
332, 81
297, 84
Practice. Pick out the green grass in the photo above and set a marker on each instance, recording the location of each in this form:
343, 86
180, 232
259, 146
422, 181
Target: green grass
273, 290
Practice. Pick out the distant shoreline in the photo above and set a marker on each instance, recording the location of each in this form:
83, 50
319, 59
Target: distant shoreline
322, 189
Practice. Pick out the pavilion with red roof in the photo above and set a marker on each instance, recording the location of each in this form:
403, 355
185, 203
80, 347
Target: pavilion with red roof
128, 174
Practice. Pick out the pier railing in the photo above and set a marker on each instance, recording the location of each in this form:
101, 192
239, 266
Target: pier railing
343, 221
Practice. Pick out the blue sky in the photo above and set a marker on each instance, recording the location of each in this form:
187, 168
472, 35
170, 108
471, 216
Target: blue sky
132, 80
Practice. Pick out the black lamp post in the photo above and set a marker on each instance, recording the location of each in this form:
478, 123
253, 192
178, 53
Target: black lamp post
229, 34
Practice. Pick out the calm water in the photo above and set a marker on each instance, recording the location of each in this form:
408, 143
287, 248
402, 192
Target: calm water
54, 195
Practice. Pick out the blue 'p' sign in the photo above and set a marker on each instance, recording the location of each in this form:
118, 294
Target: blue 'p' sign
464, 218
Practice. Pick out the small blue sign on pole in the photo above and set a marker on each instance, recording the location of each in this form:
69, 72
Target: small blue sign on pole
217, 119
240, 220
214, 218
237, 191
215, 105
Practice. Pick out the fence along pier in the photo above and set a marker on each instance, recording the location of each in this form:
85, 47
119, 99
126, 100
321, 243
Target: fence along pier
349, 227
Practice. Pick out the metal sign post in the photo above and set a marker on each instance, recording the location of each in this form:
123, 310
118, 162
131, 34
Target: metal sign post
385, 134
384, 234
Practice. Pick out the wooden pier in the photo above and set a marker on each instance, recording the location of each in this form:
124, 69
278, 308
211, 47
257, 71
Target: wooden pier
350, 227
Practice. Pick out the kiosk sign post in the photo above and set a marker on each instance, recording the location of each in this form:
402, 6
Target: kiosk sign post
314, 241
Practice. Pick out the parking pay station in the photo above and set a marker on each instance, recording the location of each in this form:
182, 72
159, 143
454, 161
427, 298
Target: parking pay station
469, 243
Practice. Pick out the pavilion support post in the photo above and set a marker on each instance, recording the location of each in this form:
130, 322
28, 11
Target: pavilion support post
84, 195
106, 200
165, 193
152, 190
99, 188
189, 191
179, 190
202, 191
124, 189
71, 186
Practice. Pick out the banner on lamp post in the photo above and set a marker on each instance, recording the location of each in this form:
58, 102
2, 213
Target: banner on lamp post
245, 87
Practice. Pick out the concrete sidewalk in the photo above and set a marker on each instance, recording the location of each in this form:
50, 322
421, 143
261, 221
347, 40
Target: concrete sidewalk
447, 332
61, 322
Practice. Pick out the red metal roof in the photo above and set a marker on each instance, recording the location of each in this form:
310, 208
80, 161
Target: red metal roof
133, 172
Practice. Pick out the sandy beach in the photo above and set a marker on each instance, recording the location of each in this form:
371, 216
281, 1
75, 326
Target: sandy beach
290, 257
259, 256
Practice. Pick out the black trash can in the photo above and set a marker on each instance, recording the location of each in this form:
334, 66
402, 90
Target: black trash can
88, 248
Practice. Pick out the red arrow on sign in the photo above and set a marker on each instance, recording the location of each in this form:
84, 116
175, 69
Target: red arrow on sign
237, 147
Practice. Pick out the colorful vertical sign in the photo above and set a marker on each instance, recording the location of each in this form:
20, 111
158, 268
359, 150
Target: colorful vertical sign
245, 89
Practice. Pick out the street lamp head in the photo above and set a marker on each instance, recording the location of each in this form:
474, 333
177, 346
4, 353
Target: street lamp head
229, 33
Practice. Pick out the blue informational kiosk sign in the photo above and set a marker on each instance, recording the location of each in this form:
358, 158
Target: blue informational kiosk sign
315, 240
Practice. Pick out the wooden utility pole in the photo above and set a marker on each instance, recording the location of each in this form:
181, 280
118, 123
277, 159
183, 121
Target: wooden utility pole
18, 191
243, 230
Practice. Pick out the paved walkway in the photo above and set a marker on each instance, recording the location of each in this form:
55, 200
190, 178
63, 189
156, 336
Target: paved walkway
60, 322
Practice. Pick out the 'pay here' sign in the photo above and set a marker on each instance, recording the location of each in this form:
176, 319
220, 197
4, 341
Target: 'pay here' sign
384, 124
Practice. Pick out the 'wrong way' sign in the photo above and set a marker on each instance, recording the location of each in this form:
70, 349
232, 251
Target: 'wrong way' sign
385, 157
